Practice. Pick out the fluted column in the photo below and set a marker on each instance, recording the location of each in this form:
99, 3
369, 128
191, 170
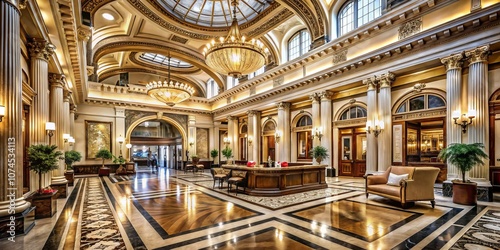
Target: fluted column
84, 34
72, 111
284, 130
40, 53
57, 116
232, 134
11, 174
384, 139
66, 122
316, 113
254, 134
326, 125
477, 99
453, 66
371, 140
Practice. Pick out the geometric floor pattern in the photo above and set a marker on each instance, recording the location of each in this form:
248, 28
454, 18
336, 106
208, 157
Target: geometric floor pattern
169, 209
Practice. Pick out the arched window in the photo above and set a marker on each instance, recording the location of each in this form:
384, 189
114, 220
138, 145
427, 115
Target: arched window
212, 88
232, 82
304, 140
355, 13
353, 113
421, 102
298, 44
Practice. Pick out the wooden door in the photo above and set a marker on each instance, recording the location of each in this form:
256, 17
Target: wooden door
352, 152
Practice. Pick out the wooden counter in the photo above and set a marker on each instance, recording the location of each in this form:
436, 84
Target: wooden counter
282, 181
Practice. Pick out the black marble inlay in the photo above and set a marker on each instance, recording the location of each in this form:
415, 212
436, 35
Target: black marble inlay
429, 229
193, 240
73, 228
285, 234
165, 235
470, 215
55, 236
132, 235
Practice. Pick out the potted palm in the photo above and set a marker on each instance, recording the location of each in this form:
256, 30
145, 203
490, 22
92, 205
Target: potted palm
43, 159
228, 153
103, 154
214, 154
71, 157
319, 153
464, 157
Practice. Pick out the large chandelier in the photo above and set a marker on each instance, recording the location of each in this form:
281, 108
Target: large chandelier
234, 55
168, 91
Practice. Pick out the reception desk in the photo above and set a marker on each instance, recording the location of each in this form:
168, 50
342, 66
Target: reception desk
282, 181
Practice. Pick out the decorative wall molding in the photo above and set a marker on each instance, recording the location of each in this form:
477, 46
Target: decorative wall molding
410, 28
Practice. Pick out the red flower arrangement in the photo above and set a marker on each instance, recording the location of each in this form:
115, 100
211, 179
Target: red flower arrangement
47, 190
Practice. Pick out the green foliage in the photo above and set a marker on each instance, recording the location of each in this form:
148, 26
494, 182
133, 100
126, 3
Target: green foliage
104, 154
227, 152
319, 153
71, 157
43, 158
120, 160
464, 156
214, 153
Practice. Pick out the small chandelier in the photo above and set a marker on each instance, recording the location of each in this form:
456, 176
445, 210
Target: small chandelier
234, 55
169, 92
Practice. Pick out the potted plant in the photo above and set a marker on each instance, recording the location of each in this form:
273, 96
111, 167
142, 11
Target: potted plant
228, 153
43, 159
104, 154
464, 157
120, 160
214, 154
319, 153
71, 157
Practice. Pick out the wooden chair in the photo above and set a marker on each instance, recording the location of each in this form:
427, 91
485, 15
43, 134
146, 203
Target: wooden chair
219, 175
189, 167
238, 178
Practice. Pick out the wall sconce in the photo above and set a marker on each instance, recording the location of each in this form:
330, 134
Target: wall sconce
277, 136
466, 119
71, 140
250, 140
191, 142
129, 146
317, 132
379, 127
226, 141
120, 140
2, 112
66, 137
50, 127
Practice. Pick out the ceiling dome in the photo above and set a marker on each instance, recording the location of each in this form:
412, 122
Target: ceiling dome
214, 13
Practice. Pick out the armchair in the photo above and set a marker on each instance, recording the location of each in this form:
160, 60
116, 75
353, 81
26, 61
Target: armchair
418, 187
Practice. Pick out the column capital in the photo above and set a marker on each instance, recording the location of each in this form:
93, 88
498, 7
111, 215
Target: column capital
66, 95
72, 108
56, 80
315, 97
326, 95
283, 105
371, 83
454, 61
84, 33
22, 4
41, 49
231, 118
385, 80
252, 112
479, 54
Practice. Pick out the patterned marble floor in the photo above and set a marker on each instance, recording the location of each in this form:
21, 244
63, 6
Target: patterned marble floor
176, 210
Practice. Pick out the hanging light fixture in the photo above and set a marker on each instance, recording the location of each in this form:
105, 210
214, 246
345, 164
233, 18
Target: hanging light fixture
169, 92
234, 55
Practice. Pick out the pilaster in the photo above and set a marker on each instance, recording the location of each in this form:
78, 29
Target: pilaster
316, 115
371, 140
326, 124
477, 99
57, 116
232, 134
284, 129
254, 129
453, 64
384, 139
66, 122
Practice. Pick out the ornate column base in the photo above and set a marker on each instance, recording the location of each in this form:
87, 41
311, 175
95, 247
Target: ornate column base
20, 221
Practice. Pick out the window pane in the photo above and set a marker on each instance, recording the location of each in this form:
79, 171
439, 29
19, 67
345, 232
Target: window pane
435, 101
402, 108
367, 11
352, 113
360, 112
346, 18
417, 103
344, 115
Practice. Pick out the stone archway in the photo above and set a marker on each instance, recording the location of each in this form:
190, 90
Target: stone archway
176, 124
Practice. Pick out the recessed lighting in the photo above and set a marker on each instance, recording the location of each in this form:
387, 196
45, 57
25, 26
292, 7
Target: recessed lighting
108, 16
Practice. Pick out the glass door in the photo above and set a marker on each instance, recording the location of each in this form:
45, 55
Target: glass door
353, 152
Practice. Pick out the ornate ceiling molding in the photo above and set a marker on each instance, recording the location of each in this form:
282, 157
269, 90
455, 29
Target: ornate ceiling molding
313, 20
133, 57
125, 43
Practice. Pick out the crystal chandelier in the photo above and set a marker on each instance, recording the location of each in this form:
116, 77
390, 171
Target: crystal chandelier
169, 92
234, 55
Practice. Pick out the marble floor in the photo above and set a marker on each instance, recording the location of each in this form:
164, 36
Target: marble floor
169, 209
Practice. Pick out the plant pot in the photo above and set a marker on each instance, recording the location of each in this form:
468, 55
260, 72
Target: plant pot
70, 176
318, 160
464, 193
195, 160
46, 205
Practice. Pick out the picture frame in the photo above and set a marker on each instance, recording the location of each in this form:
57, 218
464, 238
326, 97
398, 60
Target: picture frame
98, 135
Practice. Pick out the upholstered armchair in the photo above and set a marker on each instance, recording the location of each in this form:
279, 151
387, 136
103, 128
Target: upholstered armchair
239, 178
418, 185
219, 174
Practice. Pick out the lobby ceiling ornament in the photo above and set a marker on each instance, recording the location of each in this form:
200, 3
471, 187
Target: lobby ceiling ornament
169, 92
235, 55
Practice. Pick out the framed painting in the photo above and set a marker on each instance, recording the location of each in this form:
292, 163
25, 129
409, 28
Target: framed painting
97, 136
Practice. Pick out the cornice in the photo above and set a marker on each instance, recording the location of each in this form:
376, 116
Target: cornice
113, 104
